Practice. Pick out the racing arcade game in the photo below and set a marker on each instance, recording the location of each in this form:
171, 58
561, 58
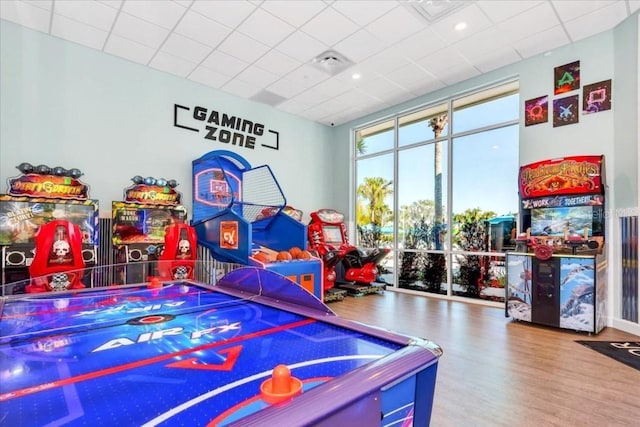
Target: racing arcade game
346, 267
139, 224
40, 195
557, 275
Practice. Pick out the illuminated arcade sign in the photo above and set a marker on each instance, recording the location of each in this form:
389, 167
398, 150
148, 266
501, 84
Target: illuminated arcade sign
225, 128
565, 176
153, 191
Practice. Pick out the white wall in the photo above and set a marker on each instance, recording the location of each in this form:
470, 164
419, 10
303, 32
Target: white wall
66, 105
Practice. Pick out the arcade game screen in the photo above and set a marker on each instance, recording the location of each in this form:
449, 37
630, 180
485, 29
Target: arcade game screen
554, 221
19, 220
332, 234
134, 223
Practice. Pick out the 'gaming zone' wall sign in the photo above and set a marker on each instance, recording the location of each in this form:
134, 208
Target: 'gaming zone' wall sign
225, 128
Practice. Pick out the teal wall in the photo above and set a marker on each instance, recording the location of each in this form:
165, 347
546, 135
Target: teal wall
67, 105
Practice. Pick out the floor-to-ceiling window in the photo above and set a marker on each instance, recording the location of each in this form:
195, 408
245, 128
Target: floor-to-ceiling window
438, 185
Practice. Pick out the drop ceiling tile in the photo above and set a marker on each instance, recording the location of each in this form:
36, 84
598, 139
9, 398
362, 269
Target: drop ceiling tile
633, 5
292, 106
301, 46
427, 87
42, 4
91, 13
78, 32
25, 14
329, 27
185, 48
384, 62
483, 42
379, 87
243, 47
526, 24
442, 60
266, 28
240, 88
408, 76
208, 77
420, 44
569, 11
364, 12
458, 73
495, 59
140, 31
202, 29
307, 76
286, 88
596, 21
354, 98
396, 25
360, 45
184, 3
171, 64
224, 64
115, 4
257, 76
397, 97
333, 86
472, 15
128, 49
295, 13
277, 63
229, 13
163, 13
541, 42
501, 10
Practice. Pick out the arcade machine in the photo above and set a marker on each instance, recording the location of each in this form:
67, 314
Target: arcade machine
40, 195
178, 257
346, 267
241, 216
139, 224
557, 275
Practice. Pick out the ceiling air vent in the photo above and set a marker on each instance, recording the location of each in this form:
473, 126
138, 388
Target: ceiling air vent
434, 10
331, 62
269, 98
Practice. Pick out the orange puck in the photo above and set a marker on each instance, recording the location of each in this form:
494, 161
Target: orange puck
281, 386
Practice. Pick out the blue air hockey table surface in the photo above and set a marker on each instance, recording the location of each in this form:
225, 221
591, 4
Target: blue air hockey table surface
191, 354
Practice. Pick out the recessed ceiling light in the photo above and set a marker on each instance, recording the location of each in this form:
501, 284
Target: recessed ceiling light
460, 26
355, 76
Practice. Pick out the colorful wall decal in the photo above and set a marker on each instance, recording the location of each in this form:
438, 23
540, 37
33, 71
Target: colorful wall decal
596, 97
565, 111
536, 111
566, 78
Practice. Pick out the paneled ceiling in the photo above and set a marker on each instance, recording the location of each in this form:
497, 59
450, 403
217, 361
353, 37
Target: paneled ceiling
300, 56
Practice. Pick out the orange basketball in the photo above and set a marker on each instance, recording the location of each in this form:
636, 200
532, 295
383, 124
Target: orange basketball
294, 251
261, 257
283, 256
304, 255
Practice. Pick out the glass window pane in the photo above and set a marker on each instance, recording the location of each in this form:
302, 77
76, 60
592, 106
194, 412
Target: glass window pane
374, 200
422, 185
478, 115
423, 271
423, 125
485, 172
375, 139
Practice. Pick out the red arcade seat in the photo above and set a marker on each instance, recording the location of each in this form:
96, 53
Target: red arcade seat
178, 258
58, 264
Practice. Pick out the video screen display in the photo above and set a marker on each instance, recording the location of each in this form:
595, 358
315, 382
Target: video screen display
332, 234
136, 223
555, 221
20, 218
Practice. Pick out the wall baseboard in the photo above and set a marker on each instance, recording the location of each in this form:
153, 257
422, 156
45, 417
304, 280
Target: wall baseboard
626, 326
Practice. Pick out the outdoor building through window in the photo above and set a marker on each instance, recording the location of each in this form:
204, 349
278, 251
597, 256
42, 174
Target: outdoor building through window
438, 185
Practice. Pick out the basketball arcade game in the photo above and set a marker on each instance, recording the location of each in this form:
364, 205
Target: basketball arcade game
139, 224
240, 214
557, 275
48, 207
346, 267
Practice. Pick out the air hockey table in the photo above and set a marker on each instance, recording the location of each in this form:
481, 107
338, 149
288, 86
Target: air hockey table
255, 349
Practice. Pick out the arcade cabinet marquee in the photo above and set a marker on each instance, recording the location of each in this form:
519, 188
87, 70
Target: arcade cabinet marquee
557, 275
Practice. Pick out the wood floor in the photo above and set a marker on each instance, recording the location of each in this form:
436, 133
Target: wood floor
497, 372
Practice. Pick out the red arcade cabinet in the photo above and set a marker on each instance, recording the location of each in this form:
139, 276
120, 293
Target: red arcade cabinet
345, 265
58, 264
177, 260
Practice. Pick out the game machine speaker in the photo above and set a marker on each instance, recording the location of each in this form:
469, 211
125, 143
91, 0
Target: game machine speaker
58, 264
177, 260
